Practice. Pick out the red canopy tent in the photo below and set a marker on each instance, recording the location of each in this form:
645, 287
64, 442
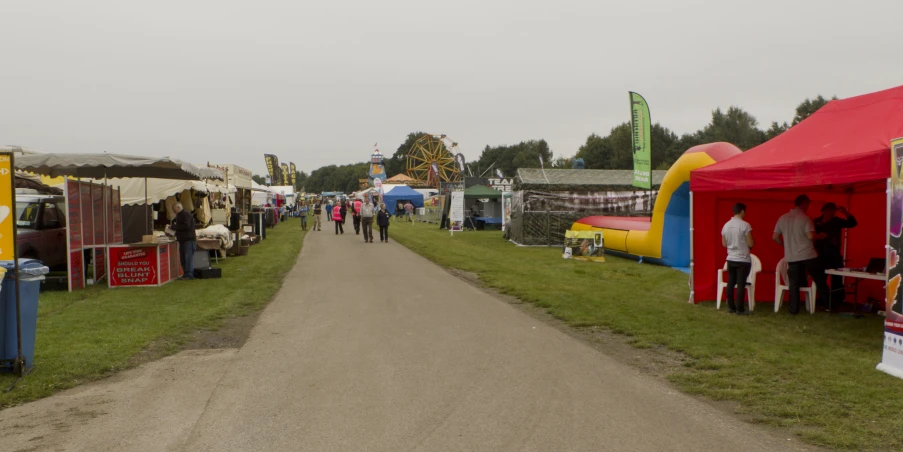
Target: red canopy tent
841, 154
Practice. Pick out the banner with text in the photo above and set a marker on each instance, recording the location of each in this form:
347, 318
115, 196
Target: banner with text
456, 215
641, 134
892, 358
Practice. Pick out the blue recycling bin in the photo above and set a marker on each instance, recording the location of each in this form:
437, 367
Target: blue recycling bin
31, 273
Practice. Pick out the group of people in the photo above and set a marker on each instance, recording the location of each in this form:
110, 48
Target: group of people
811, 246
363, 213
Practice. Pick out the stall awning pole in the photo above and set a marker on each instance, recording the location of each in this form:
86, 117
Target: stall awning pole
146, 208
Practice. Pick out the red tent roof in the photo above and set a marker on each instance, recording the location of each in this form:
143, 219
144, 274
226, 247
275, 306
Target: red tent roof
846, 141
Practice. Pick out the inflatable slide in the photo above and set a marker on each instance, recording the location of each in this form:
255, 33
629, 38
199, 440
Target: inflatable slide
665, 238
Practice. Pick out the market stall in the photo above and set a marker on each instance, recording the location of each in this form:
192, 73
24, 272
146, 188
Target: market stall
841, 154
93, 210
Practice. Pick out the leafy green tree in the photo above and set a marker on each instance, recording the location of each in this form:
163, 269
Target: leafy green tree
735, 126
776, 129
809, 106
300, 179
508, 159
397, 163
615, 150
262, 180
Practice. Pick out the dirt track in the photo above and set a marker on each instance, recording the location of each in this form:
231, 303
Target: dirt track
342, 360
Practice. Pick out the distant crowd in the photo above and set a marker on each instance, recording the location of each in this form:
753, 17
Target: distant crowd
364, 212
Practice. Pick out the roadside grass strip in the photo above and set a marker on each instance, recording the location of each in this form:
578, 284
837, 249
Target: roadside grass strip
811, 375
87, 335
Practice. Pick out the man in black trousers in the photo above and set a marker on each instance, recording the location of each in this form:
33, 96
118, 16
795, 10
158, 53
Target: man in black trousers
183, 225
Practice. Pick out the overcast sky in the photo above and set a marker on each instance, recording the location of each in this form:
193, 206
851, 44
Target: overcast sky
319, 83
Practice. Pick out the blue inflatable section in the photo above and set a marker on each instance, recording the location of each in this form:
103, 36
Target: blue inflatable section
676, 228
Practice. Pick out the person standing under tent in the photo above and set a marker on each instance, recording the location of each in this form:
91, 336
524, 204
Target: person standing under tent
337, 219
183, 226
382, 220
356, 215
302, 213
409, 211
828, 239
367, 219
795, 232
736, 236
318, 211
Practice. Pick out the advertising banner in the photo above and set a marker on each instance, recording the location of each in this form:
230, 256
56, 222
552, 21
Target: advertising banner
133, 266
271, 166
293, 172
456, 214
892, 357
7, 209
286, 175
99, 223
641, 134
164, 264
76, 270
506, 210
584, 245
74, 216
100, 264
498, 183
87, 215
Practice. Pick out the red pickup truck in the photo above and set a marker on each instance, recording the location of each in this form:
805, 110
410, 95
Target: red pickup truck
41, 224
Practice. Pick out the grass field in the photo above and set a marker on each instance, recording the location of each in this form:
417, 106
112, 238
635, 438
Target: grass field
811, 375
83, 336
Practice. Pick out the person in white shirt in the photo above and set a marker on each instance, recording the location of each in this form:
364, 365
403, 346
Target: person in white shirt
795, 231
736, 236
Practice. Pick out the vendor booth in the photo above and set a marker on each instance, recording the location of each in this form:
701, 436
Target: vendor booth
482, 207
840, 154
400, 194
94, 209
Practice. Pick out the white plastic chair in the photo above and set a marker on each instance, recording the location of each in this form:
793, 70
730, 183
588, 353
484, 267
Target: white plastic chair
781, 285
750, 282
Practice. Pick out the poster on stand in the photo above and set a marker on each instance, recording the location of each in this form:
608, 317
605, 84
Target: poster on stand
133, 266
456, 214
892, 356
584, 245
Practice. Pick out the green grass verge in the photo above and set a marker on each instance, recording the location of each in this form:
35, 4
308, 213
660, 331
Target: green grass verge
83, 336
813, 375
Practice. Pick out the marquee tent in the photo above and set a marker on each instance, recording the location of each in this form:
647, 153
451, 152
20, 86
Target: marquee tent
401, 193
839, 154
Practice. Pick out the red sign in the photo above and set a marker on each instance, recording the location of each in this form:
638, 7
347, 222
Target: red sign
76, 270
133, 266
165, 252
100, 263
87, 215
97, 202
74, 216
174, 260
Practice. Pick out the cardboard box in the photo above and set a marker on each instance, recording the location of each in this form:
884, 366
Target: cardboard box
148, 239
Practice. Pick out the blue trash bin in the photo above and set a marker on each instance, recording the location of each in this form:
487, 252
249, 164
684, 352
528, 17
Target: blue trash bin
31, 273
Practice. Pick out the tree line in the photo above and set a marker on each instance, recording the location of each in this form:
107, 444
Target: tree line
611, 151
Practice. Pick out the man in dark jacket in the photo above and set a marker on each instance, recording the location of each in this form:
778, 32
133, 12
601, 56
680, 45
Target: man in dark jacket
828, 241
183, 225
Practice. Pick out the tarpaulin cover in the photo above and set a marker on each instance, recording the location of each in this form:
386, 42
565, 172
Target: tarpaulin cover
99, 166
402, 193
839, 154
846, 141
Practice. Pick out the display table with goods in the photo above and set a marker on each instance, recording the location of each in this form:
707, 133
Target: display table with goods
144, 264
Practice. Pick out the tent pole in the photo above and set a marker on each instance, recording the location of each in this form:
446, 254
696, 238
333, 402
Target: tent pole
146, 207
692, 293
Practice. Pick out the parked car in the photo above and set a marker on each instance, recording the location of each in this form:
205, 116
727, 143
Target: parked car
41, 224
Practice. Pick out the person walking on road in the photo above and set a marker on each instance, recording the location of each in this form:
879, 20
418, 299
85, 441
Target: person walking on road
795, 232
356, 216
318, 211
337, 219
183, 226
367, 219
382, 220
302, 213
329, 208
344, 210
736, 236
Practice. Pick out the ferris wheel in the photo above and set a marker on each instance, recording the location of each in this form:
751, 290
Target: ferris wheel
432, 160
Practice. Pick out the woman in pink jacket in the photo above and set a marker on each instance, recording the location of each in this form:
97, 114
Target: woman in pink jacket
337, 219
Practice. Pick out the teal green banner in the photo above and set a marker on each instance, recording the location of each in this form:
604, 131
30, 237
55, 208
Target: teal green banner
641, 133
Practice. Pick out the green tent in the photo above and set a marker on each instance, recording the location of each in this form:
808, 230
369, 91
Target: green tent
481, 192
